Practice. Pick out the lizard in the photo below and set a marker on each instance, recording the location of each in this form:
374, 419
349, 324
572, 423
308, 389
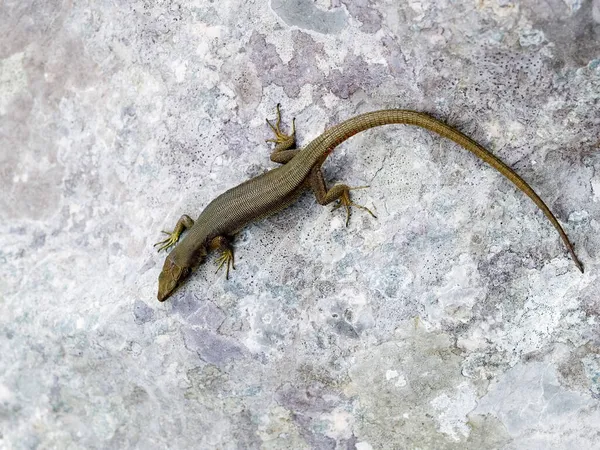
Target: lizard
300, 170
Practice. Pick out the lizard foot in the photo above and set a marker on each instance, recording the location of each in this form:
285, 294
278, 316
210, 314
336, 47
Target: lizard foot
169, 242
280, 136
347, 203
226, 258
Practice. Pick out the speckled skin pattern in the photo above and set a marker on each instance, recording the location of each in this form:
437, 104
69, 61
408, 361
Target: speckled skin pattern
454, 320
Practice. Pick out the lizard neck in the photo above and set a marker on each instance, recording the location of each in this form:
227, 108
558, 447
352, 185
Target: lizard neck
191, 250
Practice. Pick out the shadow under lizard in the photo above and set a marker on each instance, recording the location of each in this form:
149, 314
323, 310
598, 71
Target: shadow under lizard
276, 189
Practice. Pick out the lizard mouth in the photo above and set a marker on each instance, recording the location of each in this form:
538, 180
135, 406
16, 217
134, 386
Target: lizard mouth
163, 295
164, 291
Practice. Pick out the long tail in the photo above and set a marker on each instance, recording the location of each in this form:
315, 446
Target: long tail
339, 133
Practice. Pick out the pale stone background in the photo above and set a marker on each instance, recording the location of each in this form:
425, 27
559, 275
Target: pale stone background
455, 320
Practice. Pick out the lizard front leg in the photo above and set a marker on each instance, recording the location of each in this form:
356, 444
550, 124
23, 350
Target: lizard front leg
285, 144
184, 223
222, 244
339, 192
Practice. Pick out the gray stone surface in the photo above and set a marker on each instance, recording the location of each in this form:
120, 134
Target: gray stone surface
454, 320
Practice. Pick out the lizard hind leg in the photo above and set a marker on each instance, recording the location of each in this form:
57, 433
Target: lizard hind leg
226, 259
285, 144
339, 192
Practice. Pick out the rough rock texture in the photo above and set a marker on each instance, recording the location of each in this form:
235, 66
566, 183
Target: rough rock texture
454, 320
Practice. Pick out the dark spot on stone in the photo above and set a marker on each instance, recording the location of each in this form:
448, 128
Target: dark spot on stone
211, 347
55, 397
207, 378
17, 230
129, 111
349, 315
307, 403
185, 304
349, 444
306, 15
590, 301
302, 69
138, 395
356, 74
39, 239
571, 371
345, 329
500, 269
367, 13
245, 432
142, 312
576, 37
207, 316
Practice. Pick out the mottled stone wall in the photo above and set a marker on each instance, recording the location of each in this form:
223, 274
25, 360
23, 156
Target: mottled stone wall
454, 320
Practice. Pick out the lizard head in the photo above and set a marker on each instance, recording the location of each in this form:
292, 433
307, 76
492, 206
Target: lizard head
176, 269
172, 275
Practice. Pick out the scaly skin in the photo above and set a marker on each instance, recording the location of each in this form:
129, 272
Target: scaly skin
266, 194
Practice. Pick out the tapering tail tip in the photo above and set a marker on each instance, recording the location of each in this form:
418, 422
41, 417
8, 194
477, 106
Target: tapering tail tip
579, 265
575, 259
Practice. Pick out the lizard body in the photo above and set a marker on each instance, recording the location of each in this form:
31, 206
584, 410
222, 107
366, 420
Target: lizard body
301, 170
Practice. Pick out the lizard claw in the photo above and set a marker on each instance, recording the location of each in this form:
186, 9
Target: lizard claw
280, 136
226, 258
169, 242
347, 203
